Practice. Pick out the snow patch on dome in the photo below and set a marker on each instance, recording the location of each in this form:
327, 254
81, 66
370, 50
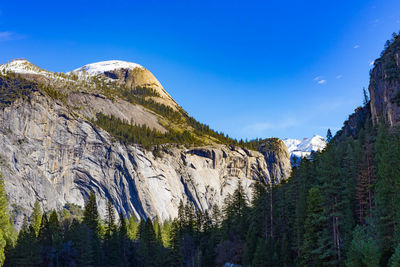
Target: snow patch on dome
104, 66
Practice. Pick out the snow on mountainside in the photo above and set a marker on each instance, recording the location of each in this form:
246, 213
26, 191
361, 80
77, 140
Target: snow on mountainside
103, 66
303, 148
22, 66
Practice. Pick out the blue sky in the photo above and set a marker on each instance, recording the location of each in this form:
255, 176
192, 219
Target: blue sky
247, 68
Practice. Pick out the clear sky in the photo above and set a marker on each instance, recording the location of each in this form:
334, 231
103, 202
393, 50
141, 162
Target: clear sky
247, 68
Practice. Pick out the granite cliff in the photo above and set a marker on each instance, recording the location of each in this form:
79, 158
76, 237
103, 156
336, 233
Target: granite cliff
52, 150
384, 87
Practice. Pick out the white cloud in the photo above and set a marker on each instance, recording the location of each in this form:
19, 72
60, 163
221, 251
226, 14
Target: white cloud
9, 36
261, 127
371, 63
319, 80
356, 46
340, 76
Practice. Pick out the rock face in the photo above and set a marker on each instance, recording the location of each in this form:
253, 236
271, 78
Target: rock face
384, 86
50, 151
277, 157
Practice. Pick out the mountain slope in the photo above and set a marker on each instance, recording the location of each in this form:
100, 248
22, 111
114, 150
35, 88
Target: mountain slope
115, 132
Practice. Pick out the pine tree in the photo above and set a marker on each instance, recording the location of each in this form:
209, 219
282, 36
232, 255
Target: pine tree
92, 221
166, 233
36, 217
5, 225
111, 245
55, 227
27, 249
176, 238
366, 98
235, 211
8, 233
91, 214
123, 240
329, 136
50, 238
148, 244
2, 247
82, 241
337, 189
314, 227
258, 222
216, 215
110, 218
387, 188
133, 228
302, 180
157, 230
395, 258
261, 256
363, 250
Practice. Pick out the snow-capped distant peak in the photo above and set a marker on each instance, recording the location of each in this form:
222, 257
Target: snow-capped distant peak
103, 66
22, 66
303, 148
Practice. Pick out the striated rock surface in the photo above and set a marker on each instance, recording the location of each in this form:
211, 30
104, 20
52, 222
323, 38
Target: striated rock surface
277, 157
384, 87
51, 151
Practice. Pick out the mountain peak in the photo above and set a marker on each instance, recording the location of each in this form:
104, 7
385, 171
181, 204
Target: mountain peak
303, 148
104, 66
21, 66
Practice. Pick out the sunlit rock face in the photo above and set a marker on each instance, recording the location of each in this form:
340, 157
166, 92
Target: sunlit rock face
384, 87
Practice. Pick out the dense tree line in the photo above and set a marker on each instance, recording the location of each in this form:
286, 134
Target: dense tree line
130, 133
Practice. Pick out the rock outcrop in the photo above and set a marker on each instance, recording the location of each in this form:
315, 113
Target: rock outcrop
384, 87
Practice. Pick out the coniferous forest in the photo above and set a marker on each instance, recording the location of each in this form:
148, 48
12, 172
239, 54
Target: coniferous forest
339, 208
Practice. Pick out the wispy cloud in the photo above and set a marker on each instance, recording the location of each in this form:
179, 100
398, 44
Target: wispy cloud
10, 36
332, 105
340, 76
320, 80
260, 127
356, 46
371, 63
375, 22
